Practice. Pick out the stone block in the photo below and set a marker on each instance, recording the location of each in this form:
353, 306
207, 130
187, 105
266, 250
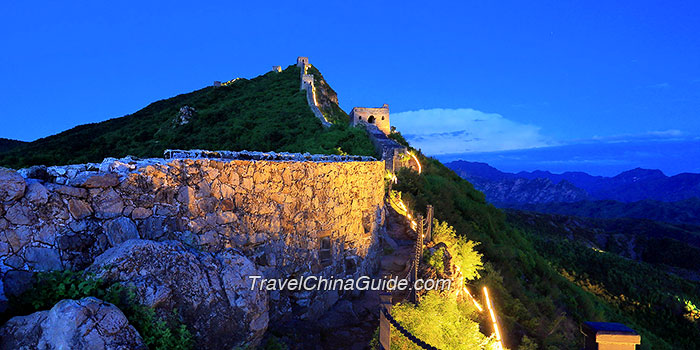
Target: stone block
12, 185
42, 259
108, 204
120, 230
79, 209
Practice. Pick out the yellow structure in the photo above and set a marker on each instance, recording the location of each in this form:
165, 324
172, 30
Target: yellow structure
609, 336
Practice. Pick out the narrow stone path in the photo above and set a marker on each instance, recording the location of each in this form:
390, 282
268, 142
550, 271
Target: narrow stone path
350, 324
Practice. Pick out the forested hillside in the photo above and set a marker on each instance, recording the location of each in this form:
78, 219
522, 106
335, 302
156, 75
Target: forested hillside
7, 144
266, 113
546, 285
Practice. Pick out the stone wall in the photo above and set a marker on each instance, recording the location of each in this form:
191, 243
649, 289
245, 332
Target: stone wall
391, 151
307, 84
274, 211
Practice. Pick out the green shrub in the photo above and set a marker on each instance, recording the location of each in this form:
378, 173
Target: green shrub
48, 288
462, 250
441, 321
436, 260
274, 343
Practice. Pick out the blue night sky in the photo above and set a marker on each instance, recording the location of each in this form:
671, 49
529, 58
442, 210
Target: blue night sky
553, 85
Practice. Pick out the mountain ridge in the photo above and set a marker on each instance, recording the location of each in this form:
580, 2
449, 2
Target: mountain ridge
629, 186
265, 113
531, 282
8, 144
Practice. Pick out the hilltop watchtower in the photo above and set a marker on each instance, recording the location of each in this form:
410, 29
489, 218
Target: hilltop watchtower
307, 80
302, 61
372, 116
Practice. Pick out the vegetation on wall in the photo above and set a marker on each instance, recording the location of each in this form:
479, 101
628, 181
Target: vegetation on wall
266, 113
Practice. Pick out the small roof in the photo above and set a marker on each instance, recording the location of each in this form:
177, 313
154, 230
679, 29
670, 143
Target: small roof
609, 327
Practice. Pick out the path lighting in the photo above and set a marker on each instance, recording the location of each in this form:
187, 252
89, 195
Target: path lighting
420, 169
493, 319
476, 303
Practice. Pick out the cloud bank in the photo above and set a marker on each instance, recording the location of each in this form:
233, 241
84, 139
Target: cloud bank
465, 130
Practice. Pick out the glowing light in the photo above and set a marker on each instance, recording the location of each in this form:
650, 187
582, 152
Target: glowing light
420, 169
499, 342
476, 303
231, 82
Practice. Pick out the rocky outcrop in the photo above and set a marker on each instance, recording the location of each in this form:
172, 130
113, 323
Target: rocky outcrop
520, 191
210, 291
185, 115
84, 324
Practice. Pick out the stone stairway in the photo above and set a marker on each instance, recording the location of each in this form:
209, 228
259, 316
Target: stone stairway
350, 324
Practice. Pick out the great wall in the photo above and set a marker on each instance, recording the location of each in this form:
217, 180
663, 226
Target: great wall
190, 228
375, 120
273, 214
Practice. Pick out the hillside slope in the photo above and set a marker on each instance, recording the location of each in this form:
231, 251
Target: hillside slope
636, 239
8, 144
266, 113
681, 212
546, 285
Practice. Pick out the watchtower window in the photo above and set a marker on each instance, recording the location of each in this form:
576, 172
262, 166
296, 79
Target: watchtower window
324, 252
360, 118
371, 119
382, 117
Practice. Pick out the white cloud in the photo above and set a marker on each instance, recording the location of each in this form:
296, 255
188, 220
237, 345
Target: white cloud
670, 134
464, 130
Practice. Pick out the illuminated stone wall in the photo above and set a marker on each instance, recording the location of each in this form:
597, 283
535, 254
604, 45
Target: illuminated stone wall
276, 212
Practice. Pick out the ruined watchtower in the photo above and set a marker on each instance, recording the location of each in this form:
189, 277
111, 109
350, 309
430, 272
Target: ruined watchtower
277, 69
373, 116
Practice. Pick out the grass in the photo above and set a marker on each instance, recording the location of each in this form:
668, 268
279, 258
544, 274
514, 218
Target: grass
267, 113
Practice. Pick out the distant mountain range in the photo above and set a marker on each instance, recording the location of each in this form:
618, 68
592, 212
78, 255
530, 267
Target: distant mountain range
638, 193
629, 186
